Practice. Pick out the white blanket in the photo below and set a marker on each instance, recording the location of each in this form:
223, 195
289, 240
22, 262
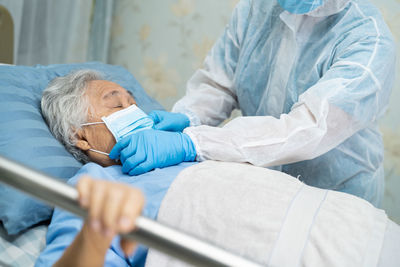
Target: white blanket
271, 218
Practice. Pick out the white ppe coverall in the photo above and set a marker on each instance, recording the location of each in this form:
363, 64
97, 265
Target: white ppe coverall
311, 89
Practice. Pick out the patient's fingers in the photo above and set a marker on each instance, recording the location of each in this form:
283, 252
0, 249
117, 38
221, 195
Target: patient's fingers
97, 197
131, 209
112, 206
83, 188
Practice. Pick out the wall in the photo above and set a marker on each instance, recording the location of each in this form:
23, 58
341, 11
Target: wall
163, 42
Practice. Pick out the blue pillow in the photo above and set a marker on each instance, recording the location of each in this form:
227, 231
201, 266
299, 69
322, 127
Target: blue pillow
25, 137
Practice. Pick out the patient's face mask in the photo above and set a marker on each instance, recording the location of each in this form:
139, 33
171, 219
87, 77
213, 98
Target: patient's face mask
124, 123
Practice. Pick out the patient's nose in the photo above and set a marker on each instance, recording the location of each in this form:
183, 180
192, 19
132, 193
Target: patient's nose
125, 102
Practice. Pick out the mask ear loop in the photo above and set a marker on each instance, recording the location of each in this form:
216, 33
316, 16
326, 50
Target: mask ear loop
98, 151
92, 123
103, 153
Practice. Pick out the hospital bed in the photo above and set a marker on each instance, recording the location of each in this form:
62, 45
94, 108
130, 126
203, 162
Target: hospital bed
148, 232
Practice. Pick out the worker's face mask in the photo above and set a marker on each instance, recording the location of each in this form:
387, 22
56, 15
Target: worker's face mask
124, 123
300, 6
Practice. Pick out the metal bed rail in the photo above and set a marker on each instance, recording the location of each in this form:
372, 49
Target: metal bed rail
148, 232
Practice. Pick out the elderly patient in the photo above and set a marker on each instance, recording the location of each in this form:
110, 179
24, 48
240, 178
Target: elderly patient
76, 108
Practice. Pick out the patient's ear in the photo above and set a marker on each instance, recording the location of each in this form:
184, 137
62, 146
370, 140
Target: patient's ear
81, 142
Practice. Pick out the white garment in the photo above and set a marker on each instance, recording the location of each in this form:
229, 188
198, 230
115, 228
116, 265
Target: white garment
311, 89
273, 218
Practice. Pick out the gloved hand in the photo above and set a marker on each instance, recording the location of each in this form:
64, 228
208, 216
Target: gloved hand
143, 151
169, 121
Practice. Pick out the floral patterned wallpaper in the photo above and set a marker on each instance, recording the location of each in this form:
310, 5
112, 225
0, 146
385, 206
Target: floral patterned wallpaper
163, 42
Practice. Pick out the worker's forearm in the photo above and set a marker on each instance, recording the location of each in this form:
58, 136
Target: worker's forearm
88, 249
268, 141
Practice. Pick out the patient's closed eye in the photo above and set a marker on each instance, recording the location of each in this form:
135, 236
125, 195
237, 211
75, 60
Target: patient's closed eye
111, 95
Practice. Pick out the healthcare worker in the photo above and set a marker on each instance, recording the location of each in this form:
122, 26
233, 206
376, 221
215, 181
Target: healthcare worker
311, 78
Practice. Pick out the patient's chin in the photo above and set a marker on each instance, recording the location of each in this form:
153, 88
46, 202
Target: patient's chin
108, 162
102, 160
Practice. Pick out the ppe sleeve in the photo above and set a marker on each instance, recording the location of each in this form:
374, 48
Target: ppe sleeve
209, 97
350, 96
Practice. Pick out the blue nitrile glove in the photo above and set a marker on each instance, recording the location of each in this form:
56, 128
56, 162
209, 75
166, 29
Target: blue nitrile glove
169, 121
149, 149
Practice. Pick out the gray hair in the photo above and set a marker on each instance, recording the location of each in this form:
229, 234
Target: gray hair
65, 108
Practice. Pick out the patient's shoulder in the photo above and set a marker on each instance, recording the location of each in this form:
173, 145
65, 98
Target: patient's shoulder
96, 171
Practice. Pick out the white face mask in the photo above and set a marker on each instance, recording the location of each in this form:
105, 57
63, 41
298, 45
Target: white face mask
124, 123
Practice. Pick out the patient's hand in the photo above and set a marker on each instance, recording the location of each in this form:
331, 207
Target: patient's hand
112, 208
